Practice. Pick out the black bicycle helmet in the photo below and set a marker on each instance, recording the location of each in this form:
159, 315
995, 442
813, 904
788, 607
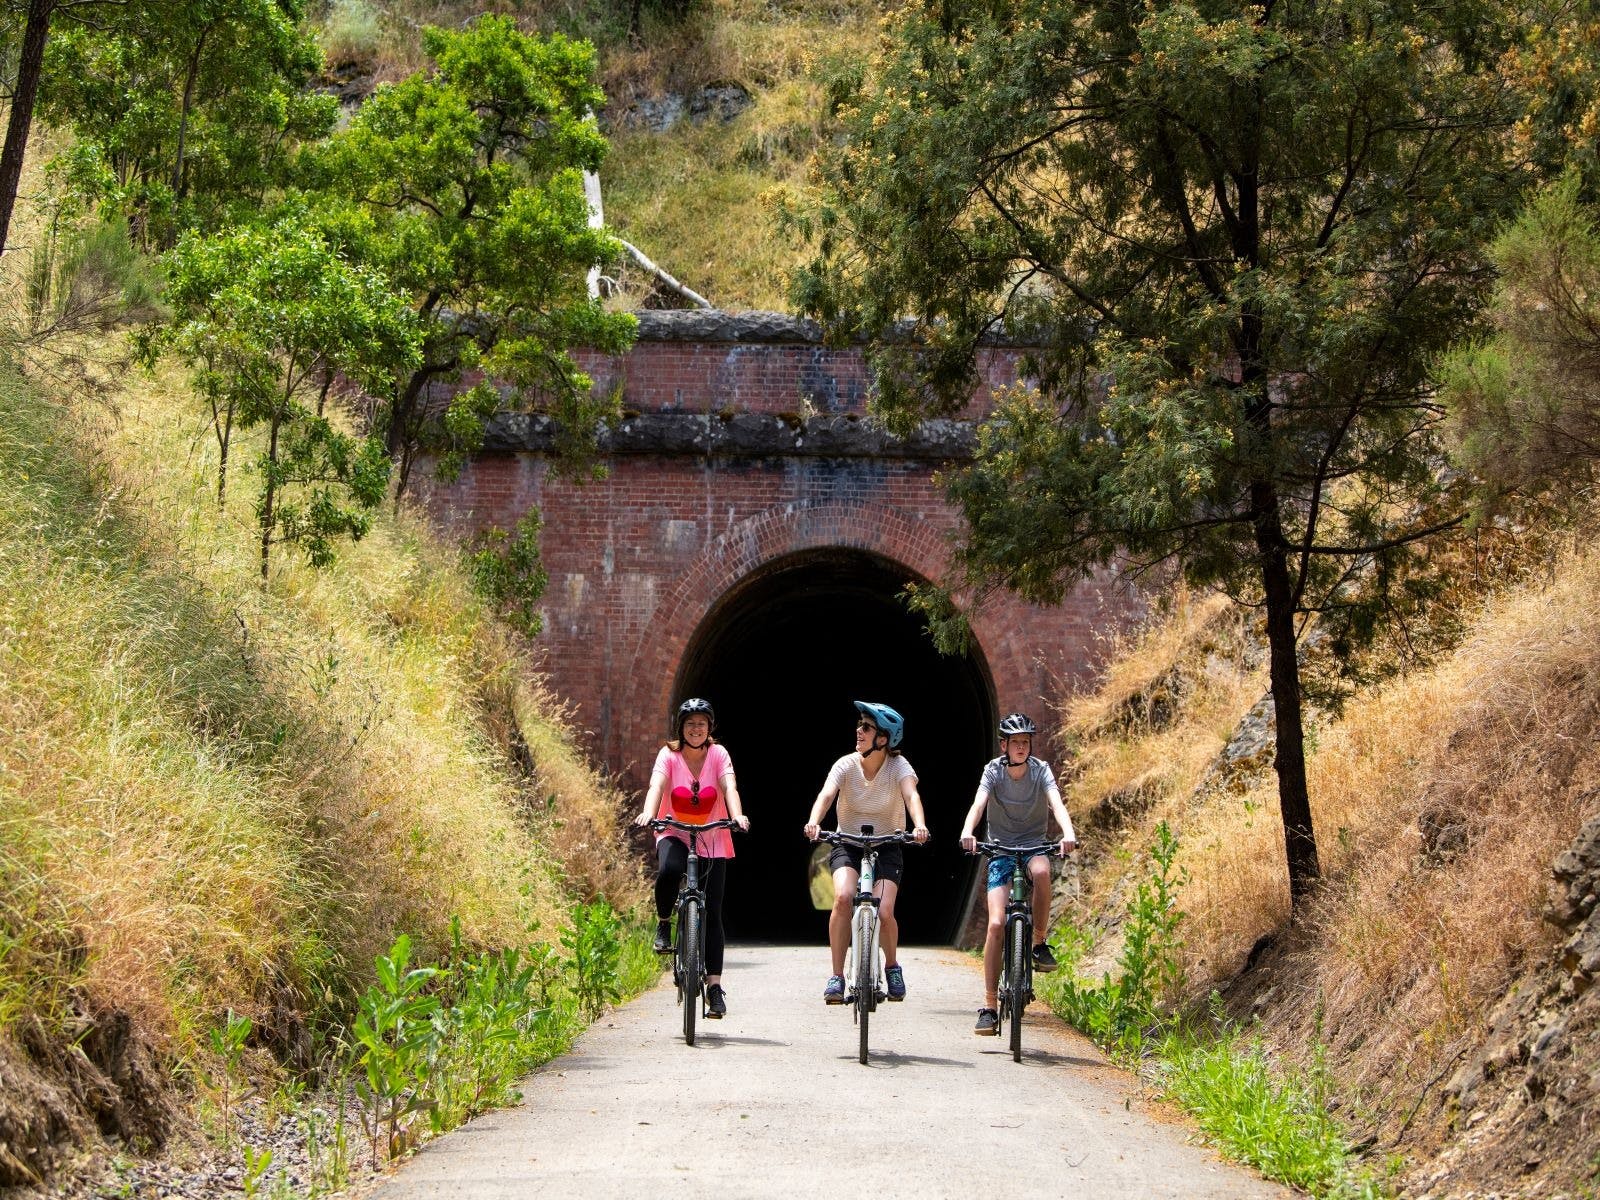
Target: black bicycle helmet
1015, 723
692, 707
885, 718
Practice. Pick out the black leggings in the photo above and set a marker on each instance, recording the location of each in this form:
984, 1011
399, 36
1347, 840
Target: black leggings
672, 860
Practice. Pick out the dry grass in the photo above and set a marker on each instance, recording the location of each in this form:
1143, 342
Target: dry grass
235, 797
1403, 951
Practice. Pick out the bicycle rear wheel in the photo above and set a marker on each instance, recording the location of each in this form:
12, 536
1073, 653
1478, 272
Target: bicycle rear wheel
865, 969
1017, 950
689, 949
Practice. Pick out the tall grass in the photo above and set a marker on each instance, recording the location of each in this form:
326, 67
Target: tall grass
1413, 936
216, 797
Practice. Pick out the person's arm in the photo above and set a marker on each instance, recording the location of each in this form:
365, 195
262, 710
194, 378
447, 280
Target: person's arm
652, 799
969, 841
730, 793
819, 806
913, 799
1069, 839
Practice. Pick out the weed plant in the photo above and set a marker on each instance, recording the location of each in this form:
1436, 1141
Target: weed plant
1259, 1115
1276, 1123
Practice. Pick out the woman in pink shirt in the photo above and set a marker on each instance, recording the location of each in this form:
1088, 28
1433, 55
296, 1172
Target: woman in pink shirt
693, 781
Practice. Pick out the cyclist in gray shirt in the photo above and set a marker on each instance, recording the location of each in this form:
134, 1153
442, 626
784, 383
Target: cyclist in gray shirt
1020, 795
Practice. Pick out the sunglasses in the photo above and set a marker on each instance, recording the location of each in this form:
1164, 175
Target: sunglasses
866, 727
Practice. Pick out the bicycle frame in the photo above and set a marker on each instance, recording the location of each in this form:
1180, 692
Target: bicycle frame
689, 950
864, 986
1016, 963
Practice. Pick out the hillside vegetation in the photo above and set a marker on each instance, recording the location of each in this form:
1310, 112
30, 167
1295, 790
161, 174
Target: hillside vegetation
698, 196
1442, 799
219, 798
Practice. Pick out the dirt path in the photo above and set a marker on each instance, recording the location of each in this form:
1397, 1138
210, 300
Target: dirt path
772, 1102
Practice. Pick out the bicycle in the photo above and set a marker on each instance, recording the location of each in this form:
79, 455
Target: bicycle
863, 972
689, 950
1016, 965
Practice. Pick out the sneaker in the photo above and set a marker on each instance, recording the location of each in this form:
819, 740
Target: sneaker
896, 979
663, 942
834, 992
988, 1023
1043, 961
716, 1002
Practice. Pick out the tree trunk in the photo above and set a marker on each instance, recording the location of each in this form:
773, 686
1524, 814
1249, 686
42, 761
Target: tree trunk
30, 65
267, 497
179, 183
1289, 759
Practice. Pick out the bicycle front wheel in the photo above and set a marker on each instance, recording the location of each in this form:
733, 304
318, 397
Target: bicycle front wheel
1018, 953
689, 948
866, 956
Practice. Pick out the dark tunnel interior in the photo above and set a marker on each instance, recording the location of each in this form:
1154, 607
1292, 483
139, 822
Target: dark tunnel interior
781, 658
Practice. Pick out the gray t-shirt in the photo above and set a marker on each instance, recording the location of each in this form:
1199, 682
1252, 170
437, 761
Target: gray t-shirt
1019, 809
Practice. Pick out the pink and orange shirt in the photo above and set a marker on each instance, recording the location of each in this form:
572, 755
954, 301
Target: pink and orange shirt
682, 802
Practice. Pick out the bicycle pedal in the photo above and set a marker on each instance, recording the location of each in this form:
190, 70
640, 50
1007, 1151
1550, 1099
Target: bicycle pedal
880, 997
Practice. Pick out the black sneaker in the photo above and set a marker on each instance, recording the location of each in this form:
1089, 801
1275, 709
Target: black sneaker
1043, 961
663, 942
988, 1023
716, 1002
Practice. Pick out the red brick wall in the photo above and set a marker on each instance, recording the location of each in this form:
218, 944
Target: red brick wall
637, 560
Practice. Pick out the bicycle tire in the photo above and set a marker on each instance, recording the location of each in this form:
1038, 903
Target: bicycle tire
689, 942
864, 977
1017, 951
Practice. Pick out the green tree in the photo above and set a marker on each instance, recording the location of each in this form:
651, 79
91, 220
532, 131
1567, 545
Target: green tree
268, 316
186, 112
465, 190
1526, 400
1239, 230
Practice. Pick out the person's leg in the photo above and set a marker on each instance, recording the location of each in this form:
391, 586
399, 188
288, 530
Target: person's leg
888, 927
672, 860
844, 898
716, 881
993, 943
1039, 869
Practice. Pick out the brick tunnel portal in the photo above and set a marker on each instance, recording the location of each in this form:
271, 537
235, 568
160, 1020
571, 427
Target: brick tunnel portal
781, 657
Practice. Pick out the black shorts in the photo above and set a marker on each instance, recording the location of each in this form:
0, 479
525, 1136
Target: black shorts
891, 861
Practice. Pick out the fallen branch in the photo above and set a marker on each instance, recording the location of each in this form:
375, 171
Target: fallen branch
687, 293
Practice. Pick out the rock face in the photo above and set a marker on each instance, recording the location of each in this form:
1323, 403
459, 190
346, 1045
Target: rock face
1528, 1095
720, 102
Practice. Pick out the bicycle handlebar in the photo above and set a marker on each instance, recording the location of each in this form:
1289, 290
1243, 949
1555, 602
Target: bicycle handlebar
996, 850
660, 823
864, 841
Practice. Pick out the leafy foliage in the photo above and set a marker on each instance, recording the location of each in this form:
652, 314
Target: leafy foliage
1119, 1013
506, 569
463, 186
265, 315
1526, 401
185, 113
1238, 231
594, 944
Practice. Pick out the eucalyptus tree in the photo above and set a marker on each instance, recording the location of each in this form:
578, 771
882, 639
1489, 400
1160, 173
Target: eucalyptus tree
463, 186
186, 113
267, 315
1239, 231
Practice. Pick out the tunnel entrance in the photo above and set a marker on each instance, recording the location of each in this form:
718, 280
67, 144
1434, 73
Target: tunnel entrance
781, 657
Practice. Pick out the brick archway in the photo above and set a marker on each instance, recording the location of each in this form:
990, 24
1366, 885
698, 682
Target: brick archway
917, 547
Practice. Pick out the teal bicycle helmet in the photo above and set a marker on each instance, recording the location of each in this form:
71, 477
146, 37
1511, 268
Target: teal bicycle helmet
885, 718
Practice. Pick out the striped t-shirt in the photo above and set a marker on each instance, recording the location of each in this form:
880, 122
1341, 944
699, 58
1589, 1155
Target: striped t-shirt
877, 802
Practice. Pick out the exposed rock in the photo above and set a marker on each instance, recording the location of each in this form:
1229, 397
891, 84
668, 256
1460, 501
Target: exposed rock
720, 102
1247, 755
1530, 1086
1444, 834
